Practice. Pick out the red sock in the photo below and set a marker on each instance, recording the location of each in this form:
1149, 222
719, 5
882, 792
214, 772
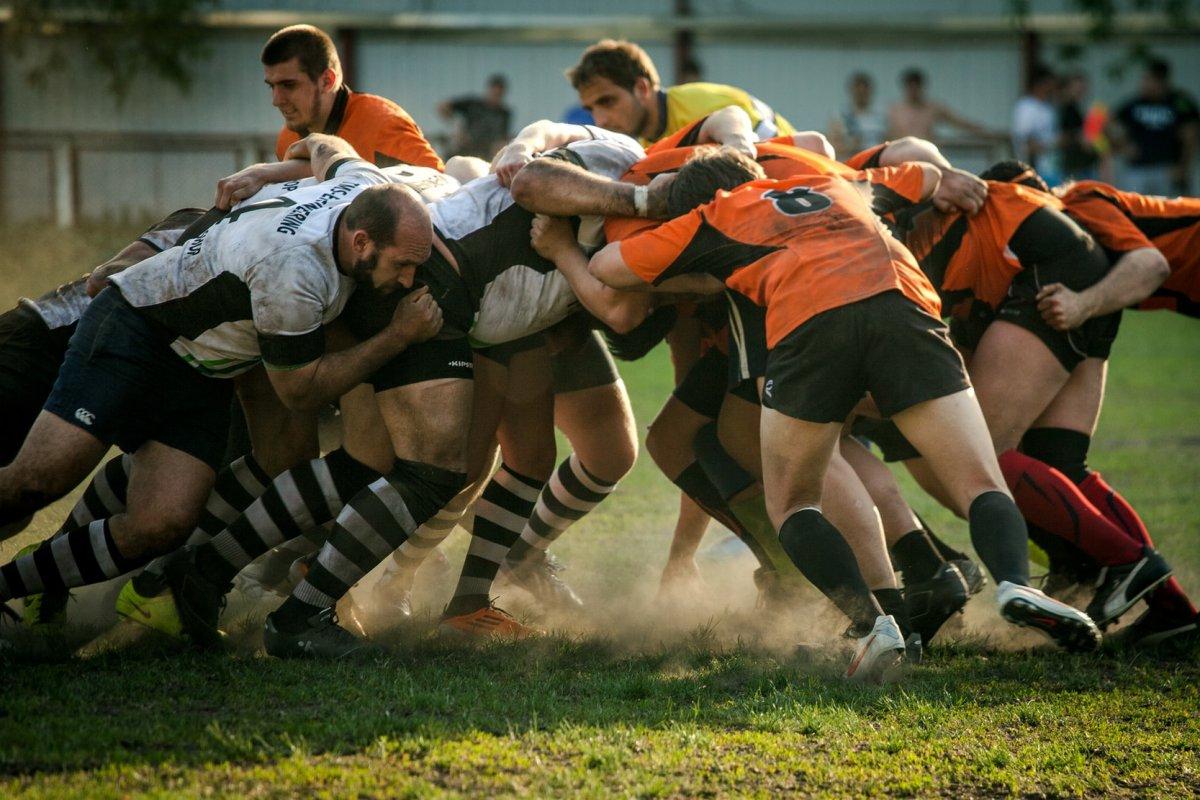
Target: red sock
1049, 500
1168, 598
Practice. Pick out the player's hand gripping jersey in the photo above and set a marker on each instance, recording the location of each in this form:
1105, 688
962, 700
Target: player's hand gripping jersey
799, 246
1125, 221
260, 283
380, 131
515, 291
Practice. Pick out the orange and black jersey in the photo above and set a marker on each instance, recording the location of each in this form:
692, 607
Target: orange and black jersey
381, 131
799, 246
867, 159
974, 257
1126, 221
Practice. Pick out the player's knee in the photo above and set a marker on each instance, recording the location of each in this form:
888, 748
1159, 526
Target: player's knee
32, 488
157, 531
663, 448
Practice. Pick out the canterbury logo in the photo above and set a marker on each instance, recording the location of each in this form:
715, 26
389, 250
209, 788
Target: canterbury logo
85, 416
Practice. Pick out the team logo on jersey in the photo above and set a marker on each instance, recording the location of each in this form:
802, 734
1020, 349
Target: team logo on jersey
85, 416
769, 388
798, 200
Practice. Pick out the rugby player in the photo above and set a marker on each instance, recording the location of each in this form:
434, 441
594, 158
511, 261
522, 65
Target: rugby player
175, 326
823, 333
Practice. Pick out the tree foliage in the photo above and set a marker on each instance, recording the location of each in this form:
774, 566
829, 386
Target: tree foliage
123, 38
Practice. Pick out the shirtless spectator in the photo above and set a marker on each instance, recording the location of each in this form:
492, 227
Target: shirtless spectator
917, 115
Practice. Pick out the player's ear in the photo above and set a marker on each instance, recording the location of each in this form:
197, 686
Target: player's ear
360, 241
328, 80
643, 90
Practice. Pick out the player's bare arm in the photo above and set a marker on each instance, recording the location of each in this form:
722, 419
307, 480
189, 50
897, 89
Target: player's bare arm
912, 148
561, 189
321, 150
309, 387
730, 126
554, 239
1131, 280
609, 267
131, 254
536, 137
249, 180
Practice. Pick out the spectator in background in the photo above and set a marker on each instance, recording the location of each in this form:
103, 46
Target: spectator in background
690, 71
1081, 149
1157, 132
483, 123
917, 115
858, 126
1035, 124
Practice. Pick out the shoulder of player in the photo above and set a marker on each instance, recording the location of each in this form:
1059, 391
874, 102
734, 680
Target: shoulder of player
373, 105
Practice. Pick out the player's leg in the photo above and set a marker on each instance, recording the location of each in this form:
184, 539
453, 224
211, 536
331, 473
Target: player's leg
55, 457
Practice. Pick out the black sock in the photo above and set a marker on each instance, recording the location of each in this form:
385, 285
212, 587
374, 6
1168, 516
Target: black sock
722, 470
947, 552
824, 557
1063, 449
696, 484
916, 556
892, 602
999, 535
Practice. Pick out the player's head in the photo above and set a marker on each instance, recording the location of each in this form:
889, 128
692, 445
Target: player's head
389, 234
708, 171
618, 83
634, 344
302, 68
912, 81
1156, 80
1013, 171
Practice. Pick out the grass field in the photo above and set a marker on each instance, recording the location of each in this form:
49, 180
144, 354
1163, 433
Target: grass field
633, 699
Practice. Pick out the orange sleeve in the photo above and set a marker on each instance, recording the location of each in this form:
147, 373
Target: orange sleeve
285, 140
617, 229
1105, 222
867, 158
400, 138
684, 137
651, 254
896, 187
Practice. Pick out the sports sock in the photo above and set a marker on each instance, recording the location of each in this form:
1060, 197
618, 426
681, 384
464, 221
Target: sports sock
916, 556
752, 512
416, 548
947, 552
721, 468
1063, 449
892, 602
79, 557
501, 513
297, 502
1170, 598
1051, 501
105, 495
571, 492
999, 535
823, 556
373, 523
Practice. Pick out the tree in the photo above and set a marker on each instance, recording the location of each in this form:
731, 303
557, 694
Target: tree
124, 38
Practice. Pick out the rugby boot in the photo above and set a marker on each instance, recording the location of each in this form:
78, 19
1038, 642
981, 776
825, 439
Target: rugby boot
1154, 628
322, 637
488, 621
932, 602
157, 612
387, 601
198, 601
879, 653
1027, 607
539, 573
1118, 588
972, 573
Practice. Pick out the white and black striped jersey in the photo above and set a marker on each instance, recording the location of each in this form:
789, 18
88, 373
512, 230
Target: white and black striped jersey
515, 291
64, 306
259, 284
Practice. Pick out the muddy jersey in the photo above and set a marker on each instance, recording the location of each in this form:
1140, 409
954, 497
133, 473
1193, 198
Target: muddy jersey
429, 183
259, 284
514, 290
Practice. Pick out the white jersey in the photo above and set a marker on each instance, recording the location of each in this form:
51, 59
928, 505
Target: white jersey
259, 284
429, 183
517, 292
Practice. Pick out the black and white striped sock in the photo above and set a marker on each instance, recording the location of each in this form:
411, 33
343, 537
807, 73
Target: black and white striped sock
571, 493
296, 503
416, 548
374, 523
501, 513
104, 496
79, 557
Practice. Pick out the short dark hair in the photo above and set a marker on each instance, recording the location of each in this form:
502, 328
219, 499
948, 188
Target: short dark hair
311, 45
617, 60
913, 75
1037, 74
1014, 171
860, 77
1159, 68
645, 337
707, 171
378, 210
497, 79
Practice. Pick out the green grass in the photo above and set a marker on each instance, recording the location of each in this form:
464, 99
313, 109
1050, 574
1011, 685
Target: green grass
632, 699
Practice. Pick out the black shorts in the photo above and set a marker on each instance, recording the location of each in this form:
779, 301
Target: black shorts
122, 383
747, 341
583, 364
502, 354
430, 360
886, 436
885, 345
30, 355
703, 387
1053, 249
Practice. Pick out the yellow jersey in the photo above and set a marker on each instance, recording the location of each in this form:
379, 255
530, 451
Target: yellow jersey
684, 104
